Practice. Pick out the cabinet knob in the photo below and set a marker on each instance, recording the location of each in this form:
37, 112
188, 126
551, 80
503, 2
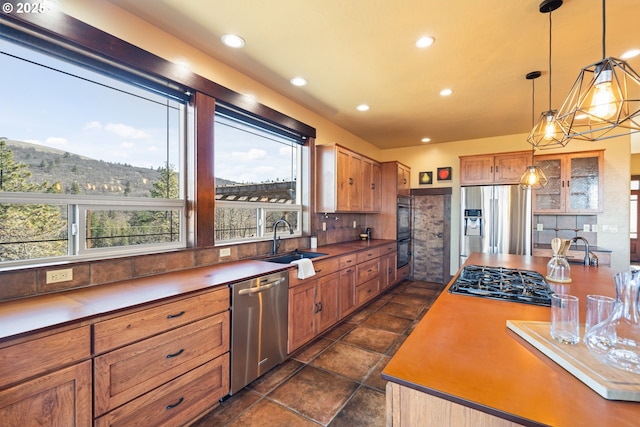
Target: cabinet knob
350, 181
373, 185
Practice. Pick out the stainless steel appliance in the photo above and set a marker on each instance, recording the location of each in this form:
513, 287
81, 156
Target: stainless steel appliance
506, 284
404, 230
259, 310
495, 219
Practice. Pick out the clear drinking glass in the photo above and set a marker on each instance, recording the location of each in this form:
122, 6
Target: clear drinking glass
616, 341
565, 323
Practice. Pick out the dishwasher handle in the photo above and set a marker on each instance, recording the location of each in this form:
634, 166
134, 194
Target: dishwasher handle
251, 291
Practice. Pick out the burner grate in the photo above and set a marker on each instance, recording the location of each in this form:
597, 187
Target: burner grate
506, 284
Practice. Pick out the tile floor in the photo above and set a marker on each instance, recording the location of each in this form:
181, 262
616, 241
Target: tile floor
335, 380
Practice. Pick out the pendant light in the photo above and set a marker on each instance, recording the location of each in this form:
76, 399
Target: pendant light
598, 106
533, 177
547, 133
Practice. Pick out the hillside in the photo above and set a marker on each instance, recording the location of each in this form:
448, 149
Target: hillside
82, 175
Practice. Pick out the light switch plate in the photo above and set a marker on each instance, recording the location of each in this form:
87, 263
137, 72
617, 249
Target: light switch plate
225, 252
586, 228
324, 226
594, 228
539, 227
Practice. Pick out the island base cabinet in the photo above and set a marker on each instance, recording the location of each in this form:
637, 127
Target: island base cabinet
59, 399
407, 407
177, 402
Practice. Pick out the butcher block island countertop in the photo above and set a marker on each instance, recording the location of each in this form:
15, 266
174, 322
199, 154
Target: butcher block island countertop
462, 366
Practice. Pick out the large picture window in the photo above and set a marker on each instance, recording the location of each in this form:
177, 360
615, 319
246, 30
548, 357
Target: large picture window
258, 181
90, 164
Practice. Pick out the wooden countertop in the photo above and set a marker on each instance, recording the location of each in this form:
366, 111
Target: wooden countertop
48, 311
462, 351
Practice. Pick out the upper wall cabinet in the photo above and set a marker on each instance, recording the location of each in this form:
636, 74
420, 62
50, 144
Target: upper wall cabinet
504, 168
575, 183
404, 180
346, 181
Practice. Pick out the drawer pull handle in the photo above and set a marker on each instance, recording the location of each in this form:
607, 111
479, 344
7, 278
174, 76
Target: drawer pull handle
369, 291
173, 316
369, 271
176, 404
318, 271
349, 261
170, 356
349, 270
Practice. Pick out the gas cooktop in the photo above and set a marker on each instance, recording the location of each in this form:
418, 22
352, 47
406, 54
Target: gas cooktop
506, 284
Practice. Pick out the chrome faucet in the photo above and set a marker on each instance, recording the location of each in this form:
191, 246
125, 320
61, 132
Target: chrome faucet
276, 241
587, 259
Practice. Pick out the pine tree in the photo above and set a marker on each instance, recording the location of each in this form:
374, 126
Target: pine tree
27, 231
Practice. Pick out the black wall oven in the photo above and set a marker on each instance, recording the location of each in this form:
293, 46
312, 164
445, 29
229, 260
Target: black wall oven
404, 231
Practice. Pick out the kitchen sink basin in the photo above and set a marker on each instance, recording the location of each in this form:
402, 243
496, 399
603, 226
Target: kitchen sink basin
292, 256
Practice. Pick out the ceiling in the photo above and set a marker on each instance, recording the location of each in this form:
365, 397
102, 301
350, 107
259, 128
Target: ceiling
363, 51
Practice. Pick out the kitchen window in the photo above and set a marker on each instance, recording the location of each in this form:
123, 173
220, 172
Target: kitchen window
91, 157
257, 168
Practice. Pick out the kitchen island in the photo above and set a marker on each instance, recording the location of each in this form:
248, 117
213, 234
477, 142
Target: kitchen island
462, 366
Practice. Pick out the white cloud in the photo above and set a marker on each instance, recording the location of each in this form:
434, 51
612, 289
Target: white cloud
125, 131
93, 125
126, 144
54, 141
252, 154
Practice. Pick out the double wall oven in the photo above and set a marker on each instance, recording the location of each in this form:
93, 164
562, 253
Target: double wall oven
404, 230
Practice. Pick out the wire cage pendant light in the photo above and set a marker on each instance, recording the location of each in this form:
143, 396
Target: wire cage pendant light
533, 177
547, 133
598, 106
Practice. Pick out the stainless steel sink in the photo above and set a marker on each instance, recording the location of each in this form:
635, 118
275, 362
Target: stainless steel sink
292, 256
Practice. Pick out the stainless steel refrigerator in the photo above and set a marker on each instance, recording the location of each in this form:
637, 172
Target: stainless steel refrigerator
496, 219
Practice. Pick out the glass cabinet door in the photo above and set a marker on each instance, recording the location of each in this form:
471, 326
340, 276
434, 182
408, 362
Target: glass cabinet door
584, 184
550, 198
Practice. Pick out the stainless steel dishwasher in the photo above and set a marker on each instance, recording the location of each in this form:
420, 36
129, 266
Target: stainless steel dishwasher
259, 316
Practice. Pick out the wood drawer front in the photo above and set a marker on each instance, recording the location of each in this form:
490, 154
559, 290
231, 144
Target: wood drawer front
61, 398
387, 249
124, 374
368, 255
322, 268
348, 261
367, 290
403, 273
132, 327
368, 270
177, 402
30, 358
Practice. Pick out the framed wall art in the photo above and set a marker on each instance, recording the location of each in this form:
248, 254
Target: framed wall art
444, 174
425, 178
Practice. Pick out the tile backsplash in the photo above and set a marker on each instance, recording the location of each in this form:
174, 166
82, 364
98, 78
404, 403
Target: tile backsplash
564, 227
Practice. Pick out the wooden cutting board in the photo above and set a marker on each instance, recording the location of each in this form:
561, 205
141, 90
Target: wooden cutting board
609, 382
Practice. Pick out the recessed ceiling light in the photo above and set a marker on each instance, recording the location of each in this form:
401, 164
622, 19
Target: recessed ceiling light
362, 107
426, 41
446, 92
426, 140
298, 81
232, 40
630, 54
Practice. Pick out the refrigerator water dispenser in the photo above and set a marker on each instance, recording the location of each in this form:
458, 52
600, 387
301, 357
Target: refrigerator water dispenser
473, 222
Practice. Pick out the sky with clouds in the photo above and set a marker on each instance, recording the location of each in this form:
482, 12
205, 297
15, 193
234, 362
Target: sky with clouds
52, 109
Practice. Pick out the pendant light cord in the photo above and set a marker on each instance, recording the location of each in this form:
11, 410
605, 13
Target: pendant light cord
550, 61
604, 29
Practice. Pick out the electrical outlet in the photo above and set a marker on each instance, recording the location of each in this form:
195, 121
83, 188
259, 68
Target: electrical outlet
354, 224
540, 227
594, 228
57, 276
586, 228
324, 226
225, 252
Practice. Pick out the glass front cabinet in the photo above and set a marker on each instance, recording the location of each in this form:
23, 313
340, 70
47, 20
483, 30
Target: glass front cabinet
575, 183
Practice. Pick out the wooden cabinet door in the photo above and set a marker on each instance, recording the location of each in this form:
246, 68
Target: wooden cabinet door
476, 170
302, 314
355, 182
343, 179
388, 270
58, 399
327, 292
347, 294
508, 168
376, 187
367, 190
404, 180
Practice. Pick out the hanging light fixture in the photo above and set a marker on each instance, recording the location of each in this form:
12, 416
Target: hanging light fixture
547, 133
533, 177
598, 106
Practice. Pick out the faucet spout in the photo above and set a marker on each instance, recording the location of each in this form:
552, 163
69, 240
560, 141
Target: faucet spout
586, 249
276, 240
